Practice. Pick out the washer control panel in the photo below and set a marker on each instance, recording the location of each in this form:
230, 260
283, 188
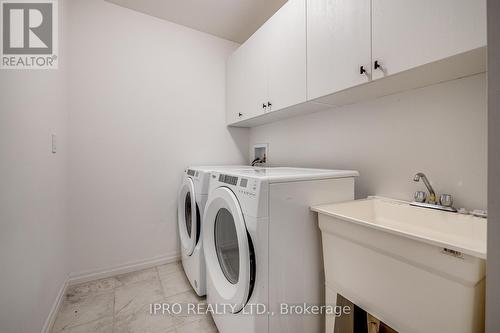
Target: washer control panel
231, 180
248, 187
241, 185
251, 192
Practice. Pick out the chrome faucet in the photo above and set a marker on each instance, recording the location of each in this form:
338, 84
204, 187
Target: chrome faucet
432, 195
445, 201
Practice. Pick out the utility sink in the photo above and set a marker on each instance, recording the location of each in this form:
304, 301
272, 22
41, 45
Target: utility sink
416, 269
458, 232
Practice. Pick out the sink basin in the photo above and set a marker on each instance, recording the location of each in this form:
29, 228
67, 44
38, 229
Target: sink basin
458, 232
416, 269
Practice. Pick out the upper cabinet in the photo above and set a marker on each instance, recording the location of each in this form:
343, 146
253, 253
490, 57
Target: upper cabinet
268, 72
286, 55
410, 33
246, 79
314, 54
338, 45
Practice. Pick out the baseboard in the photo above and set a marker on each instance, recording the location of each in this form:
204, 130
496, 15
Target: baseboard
87, 276
49, 322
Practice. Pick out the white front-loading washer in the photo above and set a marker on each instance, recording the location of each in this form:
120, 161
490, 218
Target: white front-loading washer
262, 246
192, 197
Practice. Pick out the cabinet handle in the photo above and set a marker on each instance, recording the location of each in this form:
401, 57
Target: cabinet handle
269, 104
240, 114
362, 70
264, 105
377, 65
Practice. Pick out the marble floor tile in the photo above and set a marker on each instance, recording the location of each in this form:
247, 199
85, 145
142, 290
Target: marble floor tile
122, 304
132, 297
133, 277
75, 293
205, 325
103, 325
174, 283
174, 267
84, 310
142, 321
189, 313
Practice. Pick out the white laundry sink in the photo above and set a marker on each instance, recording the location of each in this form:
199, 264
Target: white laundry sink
416, 269
463, 233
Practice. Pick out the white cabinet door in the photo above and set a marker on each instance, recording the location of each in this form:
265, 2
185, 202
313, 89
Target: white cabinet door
256, 67
235, 87
286, 55
338, 44
246, 85
410, 33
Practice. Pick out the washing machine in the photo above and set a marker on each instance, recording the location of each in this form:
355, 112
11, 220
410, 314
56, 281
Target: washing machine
262, 246
192, 197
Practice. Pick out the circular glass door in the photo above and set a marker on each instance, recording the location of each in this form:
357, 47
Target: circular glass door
228, 252
187, 216
226, 245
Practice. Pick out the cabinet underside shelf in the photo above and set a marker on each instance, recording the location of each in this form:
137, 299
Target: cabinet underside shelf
451, 68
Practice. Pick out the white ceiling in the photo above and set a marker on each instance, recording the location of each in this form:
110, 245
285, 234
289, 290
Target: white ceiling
235, 20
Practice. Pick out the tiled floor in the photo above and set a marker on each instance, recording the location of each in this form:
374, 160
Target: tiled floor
121, 304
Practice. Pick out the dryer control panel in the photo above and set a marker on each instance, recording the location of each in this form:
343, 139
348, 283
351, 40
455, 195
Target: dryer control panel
192, 173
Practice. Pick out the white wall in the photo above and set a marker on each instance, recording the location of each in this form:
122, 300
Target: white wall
147, 99
33, 221
440, 130
493, 264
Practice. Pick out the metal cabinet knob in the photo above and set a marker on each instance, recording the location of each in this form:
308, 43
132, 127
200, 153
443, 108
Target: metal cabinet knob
264, 105
269, 104
377, 65
240, 114
362, 70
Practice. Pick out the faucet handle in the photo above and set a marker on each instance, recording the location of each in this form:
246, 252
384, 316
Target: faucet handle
420, 196
446, 200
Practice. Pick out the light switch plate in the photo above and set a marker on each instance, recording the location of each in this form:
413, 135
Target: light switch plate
54, 143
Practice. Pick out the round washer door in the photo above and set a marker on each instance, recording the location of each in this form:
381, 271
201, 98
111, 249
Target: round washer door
187, 216
227, 249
